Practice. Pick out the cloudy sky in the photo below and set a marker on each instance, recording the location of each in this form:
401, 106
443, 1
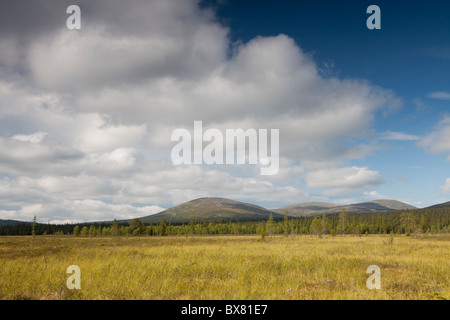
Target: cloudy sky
86, 115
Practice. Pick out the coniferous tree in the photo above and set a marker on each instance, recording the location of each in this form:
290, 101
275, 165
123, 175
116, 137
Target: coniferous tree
92, 231
115, 228
84, 231
286, 224
323, 223
192, 226
342, 221
163, 227
315, 226
269, 225
76, 231
135, 227
33, 226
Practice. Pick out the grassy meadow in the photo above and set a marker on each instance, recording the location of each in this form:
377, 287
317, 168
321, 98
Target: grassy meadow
225, 267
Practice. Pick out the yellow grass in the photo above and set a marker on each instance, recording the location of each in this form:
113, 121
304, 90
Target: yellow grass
225, 267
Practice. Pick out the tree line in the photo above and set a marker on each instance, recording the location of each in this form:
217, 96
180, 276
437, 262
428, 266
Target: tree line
411, 223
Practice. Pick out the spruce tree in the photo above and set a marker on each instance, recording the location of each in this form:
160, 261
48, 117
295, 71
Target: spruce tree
323, 223
115, 228
163, 227
33, 227
269, 225
343, 220
84, 231
286, 224
315, 226
76, 231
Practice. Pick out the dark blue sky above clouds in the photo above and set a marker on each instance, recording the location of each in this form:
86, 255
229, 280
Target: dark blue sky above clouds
87, 115
412, 45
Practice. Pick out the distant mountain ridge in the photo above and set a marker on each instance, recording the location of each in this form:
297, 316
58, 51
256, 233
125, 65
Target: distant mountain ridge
212, 209
218, 209
9, 222
313, 208
440, 205
306, 208
222, 209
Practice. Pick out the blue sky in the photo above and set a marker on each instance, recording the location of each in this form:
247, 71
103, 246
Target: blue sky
86, 115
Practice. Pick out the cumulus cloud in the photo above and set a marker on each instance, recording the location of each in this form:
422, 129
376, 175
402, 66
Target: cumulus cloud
26, 157
161, 39
86, 116
340, 180
281, 88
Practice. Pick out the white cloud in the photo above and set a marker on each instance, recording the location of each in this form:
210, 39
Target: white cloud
161, 39
399, 136
438, 141
86, 130
440, 95
446, 187
37, 137
371, 195
341, 180
94, 133
268, 83
26, 157
76, 211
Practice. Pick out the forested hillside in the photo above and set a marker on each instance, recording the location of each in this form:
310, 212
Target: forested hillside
419, 221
